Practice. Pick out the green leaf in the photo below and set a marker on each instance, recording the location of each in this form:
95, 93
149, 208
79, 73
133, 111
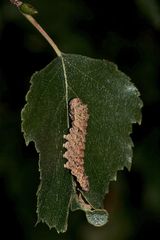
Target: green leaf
113, 105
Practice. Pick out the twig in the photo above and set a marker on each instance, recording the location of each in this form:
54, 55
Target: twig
17, 3
21, 6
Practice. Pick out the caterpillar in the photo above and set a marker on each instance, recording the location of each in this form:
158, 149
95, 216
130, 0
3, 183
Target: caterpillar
75, 144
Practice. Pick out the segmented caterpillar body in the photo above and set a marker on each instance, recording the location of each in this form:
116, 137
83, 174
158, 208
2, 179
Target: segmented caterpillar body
75, 143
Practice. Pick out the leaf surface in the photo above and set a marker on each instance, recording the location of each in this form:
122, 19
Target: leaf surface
113, 104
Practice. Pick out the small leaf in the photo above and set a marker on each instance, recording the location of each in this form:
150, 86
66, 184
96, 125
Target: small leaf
113, 105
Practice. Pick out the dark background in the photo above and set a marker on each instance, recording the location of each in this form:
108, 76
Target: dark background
125, 32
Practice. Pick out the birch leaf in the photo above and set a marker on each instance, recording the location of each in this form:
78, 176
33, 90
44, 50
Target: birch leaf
113, 105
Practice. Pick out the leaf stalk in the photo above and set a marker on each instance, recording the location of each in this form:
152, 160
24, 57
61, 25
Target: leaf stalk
43, 33
32, 20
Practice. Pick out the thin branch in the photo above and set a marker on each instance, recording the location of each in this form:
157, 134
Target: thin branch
32, 20
17, 3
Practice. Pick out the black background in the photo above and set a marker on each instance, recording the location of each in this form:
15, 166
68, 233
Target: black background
125, 32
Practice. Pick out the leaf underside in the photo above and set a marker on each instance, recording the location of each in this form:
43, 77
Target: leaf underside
113, 104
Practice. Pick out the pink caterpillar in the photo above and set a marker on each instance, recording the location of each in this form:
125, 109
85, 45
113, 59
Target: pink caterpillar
75, 143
